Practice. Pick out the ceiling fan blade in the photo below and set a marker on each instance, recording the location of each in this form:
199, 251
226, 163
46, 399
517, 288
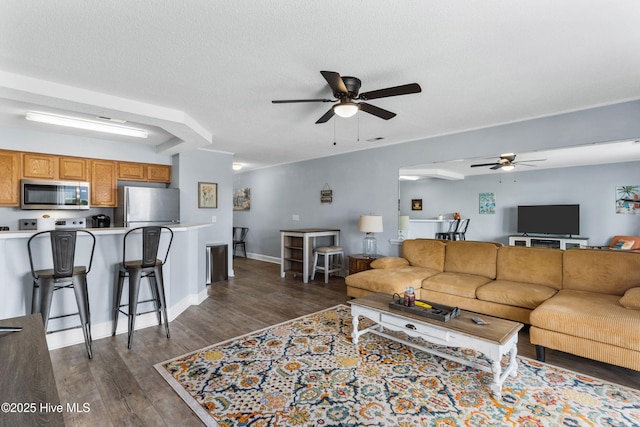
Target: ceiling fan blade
391, 91
486, 164
524, 164
497, 166
335, 82
326, 116
534, 160
376, 111
288, 101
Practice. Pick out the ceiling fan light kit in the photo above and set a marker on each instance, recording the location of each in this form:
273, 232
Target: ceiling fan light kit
346, 109
345, 90
80, 123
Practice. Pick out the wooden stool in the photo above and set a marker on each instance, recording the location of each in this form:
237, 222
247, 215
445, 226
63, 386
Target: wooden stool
331, 265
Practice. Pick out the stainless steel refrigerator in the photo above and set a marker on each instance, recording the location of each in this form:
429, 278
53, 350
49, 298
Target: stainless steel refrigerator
143, 206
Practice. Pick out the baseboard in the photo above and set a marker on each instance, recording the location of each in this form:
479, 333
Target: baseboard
260, 257
103, 330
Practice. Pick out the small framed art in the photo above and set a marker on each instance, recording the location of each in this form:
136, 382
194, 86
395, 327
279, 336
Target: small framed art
416, 204
207, 195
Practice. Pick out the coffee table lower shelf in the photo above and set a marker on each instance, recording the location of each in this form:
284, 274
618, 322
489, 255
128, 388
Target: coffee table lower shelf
441, 334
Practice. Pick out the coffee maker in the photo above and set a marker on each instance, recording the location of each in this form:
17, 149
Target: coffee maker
101, 221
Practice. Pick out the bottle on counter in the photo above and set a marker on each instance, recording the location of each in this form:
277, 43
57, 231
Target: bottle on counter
409, 297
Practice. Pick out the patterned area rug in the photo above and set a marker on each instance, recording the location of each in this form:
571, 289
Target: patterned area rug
307, 372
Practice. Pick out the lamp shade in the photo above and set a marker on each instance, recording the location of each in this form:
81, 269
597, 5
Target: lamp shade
403, 222
370, 224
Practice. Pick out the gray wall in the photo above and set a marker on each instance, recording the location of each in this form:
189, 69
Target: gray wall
366, 181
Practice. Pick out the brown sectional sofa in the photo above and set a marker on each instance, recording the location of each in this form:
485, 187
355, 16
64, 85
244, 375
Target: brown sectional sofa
580, 301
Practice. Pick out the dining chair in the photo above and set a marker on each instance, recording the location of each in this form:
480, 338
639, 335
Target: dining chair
239, 236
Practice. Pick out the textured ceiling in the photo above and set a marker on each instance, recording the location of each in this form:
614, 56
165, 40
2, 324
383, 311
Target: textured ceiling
205, 71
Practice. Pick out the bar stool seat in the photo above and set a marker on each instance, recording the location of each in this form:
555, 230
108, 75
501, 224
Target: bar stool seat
64, 275
333, 261
151, 268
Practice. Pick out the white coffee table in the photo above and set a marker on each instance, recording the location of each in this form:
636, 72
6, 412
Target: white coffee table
494, 340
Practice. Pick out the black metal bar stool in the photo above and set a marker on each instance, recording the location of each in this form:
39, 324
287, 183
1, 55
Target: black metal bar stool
148, 266
64, 275
447, 235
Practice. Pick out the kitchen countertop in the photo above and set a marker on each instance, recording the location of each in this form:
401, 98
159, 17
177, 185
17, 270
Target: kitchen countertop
21, 234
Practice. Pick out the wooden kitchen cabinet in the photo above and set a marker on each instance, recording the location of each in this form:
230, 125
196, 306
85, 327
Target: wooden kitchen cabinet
130, 171
158, 173
74, 168
41, 166
104, 183
10, 173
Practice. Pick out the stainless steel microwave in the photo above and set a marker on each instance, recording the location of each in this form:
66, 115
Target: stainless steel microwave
50, 194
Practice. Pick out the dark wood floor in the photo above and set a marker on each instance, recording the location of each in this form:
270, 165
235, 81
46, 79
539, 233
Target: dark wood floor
123, 389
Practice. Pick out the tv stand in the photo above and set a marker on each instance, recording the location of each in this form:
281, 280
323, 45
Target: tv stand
548, 242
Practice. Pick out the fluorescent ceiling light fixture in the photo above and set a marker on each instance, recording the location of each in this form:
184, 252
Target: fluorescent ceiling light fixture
237, 166
409, 178
346, 109
79, 123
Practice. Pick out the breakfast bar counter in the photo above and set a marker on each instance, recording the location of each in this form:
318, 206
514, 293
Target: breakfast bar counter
185, 281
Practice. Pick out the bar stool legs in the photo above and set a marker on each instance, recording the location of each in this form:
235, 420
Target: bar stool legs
156, 283
43, 296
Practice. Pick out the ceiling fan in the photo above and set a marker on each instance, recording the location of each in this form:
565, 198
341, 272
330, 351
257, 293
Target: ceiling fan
506, 162
345, 90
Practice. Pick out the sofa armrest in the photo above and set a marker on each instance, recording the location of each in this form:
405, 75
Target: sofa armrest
631, 299
389, 262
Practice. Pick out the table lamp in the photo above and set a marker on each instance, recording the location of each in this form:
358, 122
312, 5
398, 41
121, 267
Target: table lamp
403, 226
370, 224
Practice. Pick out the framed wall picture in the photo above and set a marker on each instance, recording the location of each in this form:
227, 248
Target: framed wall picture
207, 195
241, 199
416, 204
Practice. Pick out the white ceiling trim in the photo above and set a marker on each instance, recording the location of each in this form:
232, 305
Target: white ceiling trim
189, 134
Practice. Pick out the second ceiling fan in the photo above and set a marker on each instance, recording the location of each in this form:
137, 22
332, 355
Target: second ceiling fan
506, 162
345, 90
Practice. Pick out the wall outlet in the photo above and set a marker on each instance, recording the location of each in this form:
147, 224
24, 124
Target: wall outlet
295, 217
213, 218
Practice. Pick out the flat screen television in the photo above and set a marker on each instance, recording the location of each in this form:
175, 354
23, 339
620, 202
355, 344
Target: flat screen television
549, 219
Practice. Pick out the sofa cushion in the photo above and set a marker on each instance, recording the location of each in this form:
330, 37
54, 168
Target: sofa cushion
589, 315
427, 253
517, 294
460, 284
477, 258
540, 266
389, 262
631, 299
389, 280
606, 272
